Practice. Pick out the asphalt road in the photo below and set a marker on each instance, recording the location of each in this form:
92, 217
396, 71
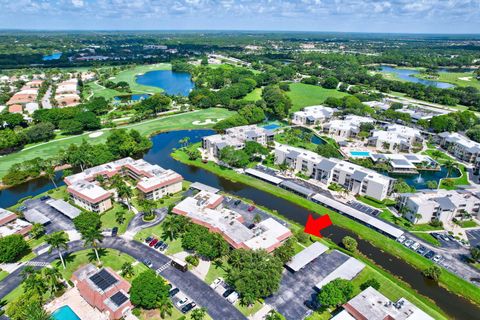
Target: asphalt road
199, 291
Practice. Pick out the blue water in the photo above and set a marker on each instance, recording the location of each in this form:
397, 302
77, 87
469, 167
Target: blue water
175, 83
65, 313
407, 75
53, 56
360, 153
419, 181
132, 97
272, 126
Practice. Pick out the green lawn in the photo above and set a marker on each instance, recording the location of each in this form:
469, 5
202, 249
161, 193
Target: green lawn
467, 224
447, 279
109, 258
216, 272
249, 310
427, 237
303, 95
3, 274
461, 79
460, 181
174, 246
148, 127
109, 218
255, 95
130, 76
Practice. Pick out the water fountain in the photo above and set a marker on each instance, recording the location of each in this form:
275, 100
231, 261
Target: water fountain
419, 179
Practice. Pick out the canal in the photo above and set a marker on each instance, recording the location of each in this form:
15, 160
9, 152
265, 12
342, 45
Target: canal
454, 306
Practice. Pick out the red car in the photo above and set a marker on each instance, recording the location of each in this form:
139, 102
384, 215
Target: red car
154, 242
251, 208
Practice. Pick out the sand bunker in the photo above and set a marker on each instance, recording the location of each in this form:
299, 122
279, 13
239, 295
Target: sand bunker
207, 121
95, 134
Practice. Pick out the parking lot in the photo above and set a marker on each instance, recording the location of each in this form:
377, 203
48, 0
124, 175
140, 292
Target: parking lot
474, 237
446, 240
59, 222
297, 288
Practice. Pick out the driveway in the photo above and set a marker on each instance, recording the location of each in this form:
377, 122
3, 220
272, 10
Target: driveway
199, 291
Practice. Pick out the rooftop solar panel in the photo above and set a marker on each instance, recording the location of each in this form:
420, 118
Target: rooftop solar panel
103, 279
118, 298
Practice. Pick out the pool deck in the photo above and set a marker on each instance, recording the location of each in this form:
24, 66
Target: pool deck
74, 300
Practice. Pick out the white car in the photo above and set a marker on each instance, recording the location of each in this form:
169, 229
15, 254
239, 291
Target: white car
401, 239
408, 243
415, 246
233, 297
216, 282
437, 258
182, 301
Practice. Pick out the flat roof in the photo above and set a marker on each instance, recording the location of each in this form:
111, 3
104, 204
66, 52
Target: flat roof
306, 256
297, 188
203, 187
35, 216
367, 219
263, 176
347, 271
65, 208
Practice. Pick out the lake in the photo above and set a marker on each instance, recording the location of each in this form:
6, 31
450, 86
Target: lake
174, 83
131, 97
419, 181
408, 75
164, 143
53, 56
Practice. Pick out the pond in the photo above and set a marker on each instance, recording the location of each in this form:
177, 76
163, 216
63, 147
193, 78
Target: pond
408, 75
174, 83
53, 56
131, 97
164, 143
419, 181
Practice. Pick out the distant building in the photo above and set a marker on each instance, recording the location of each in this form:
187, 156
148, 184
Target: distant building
206, 209
15, 108
355, 178
346, 128
103, 289
236, 138
153, 182
372, 305
459, 146
313, 115
443, 205
10, 224
395, 138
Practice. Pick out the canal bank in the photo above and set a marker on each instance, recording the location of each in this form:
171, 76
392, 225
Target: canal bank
165, 143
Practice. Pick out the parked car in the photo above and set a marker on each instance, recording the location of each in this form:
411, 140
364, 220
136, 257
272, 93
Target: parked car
232, 298
408, 243
148, 263
148, 239
415, 246
430, 254
158, 244
153, 242
435, 235
188, 307
215, 283
251, 208
173, 292
164, 246
228, 292
44, 198
21, 208
437, 258
422, 250
182, 301
311, 304
114, 231
237, 202
401, 239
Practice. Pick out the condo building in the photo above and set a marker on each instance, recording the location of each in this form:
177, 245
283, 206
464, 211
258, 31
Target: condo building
10, 224
354, 178
395, 138
459, 146
153, 182
349, 127
313, 115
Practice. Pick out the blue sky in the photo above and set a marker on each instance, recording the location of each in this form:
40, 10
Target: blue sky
411, 16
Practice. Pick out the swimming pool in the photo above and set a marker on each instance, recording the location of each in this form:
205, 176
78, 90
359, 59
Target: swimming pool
272, 126
65, 313
360, 154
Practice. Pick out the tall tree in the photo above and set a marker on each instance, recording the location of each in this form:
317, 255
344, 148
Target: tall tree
58, 240
93, 237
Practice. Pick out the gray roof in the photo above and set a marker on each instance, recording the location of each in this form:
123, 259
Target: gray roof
359, 175
378, 156
203, 187
293, 153
326, 165
445, 203
35, 216
411, 157
400, 162
65, 208
297, 188
306, 256
311, 118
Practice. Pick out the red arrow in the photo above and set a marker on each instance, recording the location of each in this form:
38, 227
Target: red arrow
313, 226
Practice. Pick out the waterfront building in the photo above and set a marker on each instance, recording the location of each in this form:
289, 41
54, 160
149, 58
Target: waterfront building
313, 115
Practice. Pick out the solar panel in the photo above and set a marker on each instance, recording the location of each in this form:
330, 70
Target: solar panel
118, 298
103, 279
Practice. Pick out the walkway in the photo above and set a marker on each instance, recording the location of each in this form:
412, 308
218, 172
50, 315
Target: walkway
199, 291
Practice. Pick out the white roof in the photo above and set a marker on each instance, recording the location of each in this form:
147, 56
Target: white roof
347, 271
65, 208
343, 315
306, 256
365, 218
35, 216
203, 187
263, 175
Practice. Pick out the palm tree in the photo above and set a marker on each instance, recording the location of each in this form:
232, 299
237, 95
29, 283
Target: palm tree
51, 277
120, 216
33, 282
127, 270
92, 238
165, 307
198, 314
50, 174
449, 165
58, 240
35, 311
125, 192
37, 231
173, 225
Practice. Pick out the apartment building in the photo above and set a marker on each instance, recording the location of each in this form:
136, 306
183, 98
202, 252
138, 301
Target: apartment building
459, 146
206, 209
10, 224
313, 115
236, 138
349, 127
153, 182
443, 205
354, 178
395, 138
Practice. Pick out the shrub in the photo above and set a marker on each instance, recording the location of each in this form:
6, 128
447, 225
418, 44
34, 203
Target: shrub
12, 248
193, 260
350, 244
370, 283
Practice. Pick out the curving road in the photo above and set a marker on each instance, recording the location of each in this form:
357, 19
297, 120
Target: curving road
199, 291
